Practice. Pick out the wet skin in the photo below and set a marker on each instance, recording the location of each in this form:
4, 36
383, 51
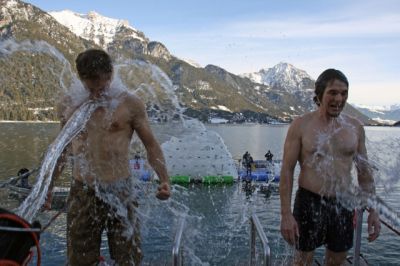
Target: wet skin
101, 151
326, 143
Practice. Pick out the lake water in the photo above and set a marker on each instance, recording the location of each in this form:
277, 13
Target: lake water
217, 231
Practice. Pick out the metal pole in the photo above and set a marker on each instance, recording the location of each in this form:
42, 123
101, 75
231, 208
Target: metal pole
357, 247
252, 242
256, 226
176, 252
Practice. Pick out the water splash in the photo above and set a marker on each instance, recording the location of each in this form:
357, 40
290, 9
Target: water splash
189, 148
325, 162
207, 156
73, 127
383, 168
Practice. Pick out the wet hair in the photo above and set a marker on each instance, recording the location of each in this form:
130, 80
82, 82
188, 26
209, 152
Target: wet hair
93, 64
324, 80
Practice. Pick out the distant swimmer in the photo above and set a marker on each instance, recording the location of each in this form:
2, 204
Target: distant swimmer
326, 143
101, 195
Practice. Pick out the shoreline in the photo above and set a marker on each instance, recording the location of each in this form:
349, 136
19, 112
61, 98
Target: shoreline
30, 122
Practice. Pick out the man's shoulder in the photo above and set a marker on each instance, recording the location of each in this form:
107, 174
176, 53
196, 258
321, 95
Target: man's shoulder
130, 98
355, 120
133, 104
352, 120
302, 120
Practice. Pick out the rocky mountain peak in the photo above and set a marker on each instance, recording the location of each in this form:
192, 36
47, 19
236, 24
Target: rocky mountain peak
14, 9
158, 50
95, 27
282, 75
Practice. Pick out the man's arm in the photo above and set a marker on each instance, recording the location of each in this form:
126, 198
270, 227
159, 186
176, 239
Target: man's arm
367, 184
364, 170
154, 153
291, 153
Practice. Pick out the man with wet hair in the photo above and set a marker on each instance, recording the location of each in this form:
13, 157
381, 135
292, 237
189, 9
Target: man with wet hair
102, 196
326, 143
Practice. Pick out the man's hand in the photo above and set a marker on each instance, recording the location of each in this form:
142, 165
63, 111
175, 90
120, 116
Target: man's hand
374, 225
289, 228
164, 191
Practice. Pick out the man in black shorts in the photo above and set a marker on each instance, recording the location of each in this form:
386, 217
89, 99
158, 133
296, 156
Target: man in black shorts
327, 144
324, 221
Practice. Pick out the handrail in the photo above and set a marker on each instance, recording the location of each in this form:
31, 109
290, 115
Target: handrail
357, 246
381, 203
359, 213
256, 226
176, 249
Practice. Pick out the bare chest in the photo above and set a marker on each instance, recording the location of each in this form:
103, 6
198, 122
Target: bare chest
106, 125
341, 142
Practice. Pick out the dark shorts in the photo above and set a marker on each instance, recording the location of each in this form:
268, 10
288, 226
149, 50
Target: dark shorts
88, 216
322, 221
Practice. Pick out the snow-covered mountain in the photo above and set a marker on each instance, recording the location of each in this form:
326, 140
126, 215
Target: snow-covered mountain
109, 33
282, 75
95, 27
287, 78
205, 93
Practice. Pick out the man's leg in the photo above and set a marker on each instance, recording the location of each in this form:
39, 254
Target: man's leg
84, 227
124, 240
303, 258
310, 220
334, 258
340, 234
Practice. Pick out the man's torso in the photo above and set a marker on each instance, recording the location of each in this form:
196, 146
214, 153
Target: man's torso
327, 153
101, 151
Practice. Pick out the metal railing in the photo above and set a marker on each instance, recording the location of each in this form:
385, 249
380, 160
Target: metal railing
256, 226
176, 249
357, 246
359, 212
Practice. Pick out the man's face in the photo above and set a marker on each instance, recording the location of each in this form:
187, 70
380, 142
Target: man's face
334, 98
97, 87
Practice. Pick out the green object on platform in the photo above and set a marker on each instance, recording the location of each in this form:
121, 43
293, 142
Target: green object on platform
180, 179
218, 179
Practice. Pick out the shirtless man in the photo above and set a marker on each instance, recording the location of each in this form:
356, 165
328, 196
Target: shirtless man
102, 183
325, 143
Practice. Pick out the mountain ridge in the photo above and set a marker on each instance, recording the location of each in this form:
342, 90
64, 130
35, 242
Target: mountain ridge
203, 92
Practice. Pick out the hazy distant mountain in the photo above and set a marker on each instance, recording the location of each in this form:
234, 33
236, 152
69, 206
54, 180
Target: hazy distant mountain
384, 114
287, 78
37, 48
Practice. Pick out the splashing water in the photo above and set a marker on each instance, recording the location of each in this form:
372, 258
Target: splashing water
73, 127
201, 152
189, 148
383, 168
198, 153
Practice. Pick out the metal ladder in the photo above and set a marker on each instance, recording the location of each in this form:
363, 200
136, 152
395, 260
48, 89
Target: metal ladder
176, 249
359, 212
256, 227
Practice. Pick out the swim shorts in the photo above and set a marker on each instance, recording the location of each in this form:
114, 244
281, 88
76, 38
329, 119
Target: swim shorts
322, 221
88, 216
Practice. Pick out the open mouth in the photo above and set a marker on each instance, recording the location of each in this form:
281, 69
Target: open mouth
336, 106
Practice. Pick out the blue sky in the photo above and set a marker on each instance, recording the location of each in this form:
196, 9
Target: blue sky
361, 38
